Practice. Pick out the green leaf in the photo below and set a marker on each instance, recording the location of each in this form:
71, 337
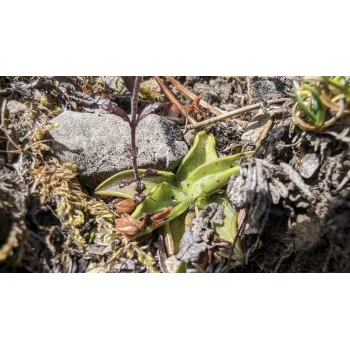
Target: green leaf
302, 105
176, 232
110, 187
161, 197
318, 108
341, 83
210, 177
318, 112
181, 268
202, 152
228, 230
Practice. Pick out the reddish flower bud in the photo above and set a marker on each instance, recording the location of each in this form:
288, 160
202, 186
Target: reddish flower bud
125, 206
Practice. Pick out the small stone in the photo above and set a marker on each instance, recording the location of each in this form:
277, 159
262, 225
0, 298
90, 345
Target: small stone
18, 120
116, 83
263, 88
15, 107
189, 137
309, 166
151, 84
127, 265
172, 264
307, 232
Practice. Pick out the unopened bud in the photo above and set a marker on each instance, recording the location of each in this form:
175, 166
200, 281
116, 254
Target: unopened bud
140, 197
125, 206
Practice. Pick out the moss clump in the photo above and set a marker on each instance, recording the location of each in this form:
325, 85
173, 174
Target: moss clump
59, 186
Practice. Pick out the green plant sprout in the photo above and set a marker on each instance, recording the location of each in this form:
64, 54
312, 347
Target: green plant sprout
310, 103
321, 101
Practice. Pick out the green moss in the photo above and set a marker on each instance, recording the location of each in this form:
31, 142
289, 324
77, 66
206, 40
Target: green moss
59, 183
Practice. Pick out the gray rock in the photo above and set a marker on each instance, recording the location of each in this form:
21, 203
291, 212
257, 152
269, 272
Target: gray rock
264, 86
190, 136
15, 107
96, 142
151, 84
116, 83
309, 165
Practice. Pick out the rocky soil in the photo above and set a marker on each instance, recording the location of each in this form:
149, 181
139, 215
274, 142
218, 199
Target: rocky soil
57, 145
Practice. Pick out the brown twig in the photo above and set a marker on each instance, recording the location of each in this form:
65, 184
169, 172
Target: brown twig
192, 96
37, 179
218, 239
173, 99
267, 128
236, 112
264, 133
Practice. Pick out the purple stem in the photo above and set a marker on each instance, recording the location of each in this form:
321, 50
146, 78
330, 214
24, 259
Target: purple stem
133, 126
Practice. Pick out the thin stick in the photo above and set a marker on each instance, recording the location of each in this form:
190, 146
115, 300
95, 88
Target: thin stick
235, 112
264, 133
219, 239
226, 115
267, 128
174, 100
192, 96
37, 179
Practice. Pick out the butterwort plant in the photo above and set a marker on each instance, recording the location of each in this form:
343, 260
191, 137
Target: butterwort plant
131, 149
